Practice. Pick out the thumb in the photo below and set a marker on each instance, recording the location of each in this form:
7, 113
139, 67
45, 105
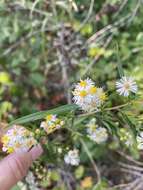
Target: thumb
15, 166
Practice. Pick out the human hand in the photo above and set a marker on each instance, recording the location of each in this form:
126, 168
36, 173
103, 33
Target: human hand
15, 166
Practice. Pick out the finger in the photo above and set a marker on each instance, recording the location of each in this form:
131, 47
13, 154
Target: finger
15, 166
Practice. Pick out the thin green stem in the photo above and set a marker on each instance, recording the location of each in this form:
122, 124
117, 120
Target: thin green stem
117, 107
88, 16
106, 109
91, 160
88, 153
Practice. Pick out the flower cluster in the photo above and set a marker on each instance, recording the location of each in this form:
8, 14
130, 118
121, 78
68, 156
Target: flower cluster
51, 123
126, 137
72, 157
126, 85
140, 141
88, 96
17, 138
96, 133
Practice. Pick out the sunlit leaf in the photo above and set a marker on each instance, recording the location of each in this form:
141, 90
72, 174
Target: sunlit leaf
42, 114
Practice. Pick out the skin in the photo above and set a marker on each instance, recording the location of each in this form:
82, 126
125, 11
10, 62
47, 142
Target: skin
15, 166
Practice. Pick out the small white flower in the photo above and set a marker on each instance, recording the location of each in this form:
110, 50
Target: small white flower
88, 96
140, 141
100, 135
126, 85
95, 133
72, 157
51, 123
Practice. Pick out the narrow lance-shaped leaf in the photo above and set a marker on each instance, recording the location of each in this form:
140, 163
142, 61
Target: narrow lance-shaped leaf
119, 64
129, 122
42, 114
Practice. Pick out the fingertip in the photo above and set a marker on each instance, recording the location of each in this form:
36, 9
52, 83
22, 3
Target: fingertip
15, 166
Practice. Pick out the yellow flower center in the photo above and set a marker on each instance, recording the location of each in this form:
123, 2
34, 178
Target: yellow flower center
48, 117
83, 83
82, 93
127, 86
93, 127
5, 139
10, 150
92, 90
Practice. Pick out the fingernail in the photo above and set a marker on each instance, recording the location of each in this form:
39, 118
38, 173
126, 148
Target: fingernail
36, 152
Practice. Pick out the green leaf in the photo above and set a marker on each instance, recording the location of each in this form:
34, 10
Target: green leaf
78, 121
119, 64
42, 114
129, 122
112, 127
120, 70
36, 79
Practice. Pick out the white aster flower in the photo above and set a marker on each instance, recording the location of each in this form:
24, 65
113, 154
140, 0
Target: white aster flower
51, 123
140, 141
17, 138
88, 96
96, 133
100, 135
72, 157
126, 85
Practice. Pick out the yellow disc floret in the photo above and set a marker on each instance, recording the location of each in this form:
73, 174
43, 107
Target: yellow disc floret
5, 139
82, 93
93, 90
48, 117
83, 83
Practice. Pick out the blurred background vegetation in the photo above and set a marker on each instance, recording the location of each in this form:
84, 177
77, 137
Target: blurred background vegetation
47, 45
